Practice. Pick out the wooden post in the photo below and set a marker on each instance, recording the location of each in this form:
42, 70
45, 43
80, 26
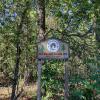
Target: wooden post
39, 80
66, 92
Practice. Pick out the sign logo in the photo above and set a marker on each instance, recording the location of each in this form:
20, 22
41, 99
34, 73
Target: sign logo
53, 45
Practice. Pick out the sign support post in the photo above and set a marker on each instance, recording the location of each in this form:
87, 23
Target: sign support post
66, 92
39, 80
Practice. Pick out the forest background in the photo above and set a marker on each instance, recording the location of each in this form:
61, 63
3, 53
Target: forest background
76, 22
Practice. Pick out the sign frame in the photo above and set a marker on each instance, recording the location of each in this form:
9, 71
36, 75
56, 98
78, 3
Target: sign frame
59, 52
56, 47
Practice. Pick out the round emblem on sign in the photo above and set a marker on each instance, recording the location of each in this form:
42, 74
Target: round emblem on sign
53, 45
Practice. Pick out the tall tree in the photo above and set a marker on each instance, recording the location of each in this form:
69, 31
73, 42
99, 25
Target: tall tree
40, 37
18, 52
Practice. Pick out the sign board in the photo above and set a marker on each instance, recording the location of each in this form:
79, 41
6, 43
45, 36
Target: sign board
53, 49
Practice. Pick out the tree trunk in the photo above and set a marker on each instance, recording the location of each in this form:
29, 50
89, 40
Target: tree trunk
15, 80
40, 37
41, 19
97, 31
16, 71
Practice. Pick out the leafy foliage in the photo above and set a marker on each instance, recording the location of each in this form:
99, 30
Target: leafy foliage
73, 21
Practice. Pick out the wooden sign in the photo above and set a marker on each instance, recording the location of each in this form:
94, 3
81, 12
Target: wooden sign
53, 49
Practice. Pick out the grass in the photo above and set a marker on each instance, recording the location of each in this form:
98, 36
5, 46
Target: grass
29, 92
